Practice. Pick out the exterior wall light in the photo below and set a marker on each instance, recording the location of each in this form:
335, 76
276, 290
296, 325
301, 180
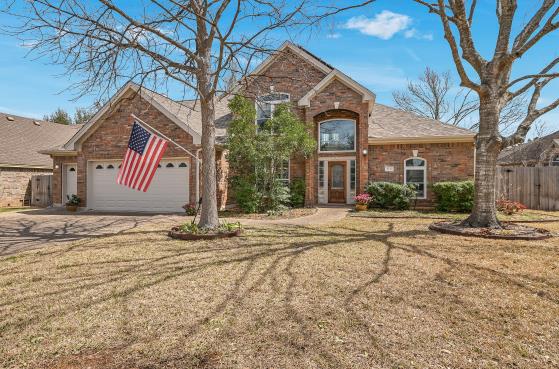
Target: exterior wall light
56, 166
365, 151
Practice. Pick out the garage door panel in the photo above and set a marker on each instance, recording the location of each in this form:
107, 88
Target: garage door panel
168, 190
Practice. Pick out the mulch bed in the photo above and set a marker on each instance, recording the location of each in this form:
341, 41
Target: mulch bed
176, 233
510, 231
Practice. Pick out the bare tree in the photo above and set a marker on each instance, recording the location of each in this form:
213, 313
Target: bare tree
491, 80
432, 97
197, 44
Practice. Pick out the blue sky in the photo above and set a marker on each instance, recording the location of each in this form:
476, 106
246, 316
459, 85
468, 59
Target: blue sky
381, 46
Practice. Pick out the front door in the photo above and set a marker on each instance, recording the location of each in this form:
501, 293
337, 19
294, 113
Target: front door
337, 181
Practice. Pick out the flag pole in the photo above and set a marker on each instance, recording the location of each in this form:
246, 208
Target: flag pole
165, 137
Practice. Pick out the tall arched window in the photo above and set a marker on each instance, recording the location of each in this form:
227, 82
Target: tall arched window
337, 135
415, 173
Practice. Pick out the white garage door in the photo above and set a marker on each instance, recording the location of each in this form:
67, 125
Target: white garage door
168, 191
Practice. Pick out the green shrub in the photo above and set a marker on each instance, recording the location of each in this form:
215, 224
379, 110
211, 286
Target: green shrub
387, 195
246, 194
454, 196
297, 192
276, 198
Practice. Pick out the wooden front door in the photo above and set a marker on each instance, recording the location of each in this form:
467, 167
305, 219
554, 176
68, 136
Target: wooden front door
337, 181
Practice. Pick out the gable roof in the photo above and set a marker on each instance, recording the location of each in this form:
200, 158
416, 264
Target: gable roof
22, 139
343, 78
391, 125
298, 50
529, 152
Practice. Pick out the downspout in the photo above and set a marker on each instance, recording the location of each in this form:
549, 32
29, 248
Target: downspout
198, 175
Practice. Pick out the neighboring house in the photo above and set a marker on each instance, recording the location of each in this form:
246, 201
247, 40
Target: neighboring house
541, 152
358, 141
20, 140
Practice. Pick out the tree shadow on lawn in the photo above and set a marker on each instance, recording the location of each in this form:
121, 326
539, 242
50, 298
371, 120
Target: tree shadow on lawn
258, 258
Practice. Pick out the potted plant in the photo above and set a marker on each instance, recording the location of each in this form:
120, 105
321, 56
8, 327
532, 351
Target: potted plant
362, 201
73, 203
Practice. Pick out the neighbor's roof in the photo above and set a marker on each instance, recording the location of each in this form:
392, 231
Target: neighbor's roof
21, 139
389, 124
528, 152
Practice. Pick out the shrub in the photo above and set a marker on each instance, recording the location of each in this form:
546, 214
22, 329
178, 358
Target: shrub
189, 209
387, 195
276, 199
454, 196
297, 192
510, 207
246, 194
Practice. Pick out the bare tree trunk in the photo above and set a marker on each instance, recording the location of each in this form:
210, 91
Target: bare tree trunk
488, 146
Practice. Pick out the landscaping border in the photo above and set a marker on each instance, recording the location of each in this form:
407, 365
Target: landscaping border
448, 228
211, 236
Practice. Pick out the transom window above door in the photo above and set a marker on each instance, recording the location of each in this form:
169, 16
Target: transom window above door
266, 105
337, 135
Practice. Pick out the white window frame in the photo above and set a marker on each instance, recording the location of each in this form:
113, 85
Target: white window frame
424, 168
288, 179
273, 103
554, 160
338, 151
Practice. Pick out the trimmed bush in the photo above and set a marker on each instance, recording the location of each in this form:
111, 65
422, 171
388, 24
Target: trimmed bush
387, 195
297, 192
246, 194
454, 196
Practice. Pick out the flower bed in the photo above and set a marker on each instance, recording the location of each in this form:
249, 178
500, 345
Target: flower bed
509, 231
190, 231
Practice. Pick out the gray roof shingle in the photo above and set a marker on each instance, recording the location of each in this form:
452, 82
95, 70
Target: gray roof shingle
391, 123
529, 152
22, 138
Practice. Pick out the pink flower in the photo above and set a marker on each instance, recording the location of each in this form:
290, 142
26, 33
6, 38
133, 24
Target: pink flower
363, 199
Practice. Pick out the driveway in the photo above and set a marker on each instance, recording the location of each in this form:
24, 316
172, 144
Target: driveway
40, 228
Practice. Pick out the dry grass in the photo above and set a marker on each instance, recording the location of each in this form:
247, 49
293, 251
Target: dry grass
363, 293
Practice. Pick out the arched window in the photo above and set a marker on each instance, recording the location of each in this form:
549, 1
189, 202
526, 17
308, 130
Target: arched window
169, 165
72, 169
415, 173
99, 166
110, 166
266, 105
555, 161
337, 135
182, 165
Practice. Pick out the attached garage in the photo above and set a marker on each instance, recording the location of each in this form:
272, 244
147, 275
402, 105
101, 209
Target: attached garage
168, 191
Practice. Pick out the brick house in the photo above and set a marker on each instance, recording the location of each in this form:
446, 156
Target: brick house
20, 140
541, 152
358, 140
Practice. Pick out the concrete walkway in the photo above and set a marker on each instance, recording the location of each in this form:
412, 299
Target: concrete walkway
27, 230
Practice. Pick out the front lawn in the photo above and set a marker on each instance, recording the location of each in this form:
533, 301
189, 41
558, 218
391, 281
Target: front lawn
6, 210
526, 215
362, 293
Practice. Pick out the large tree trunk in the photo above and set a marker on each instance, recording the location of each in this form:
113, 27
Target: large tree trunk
488, 146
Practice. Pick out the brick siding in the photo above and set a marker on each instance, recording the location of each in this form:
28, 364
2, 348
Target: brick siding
15, 185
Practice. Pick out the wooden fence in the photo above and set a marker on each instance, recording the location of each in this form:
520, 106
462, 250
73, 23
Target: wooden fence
535, 187
41, 194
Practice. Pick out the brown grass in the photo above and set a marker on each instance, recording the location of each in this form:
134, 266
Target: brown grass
362, 293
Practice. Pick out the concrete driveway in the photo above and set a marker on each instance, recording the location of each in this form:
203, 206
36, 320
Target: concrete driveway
40, 228
28, 230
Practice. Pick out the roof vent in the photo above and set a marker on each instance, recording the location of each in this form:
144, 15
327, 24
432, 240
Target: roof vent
11, 119
36, 122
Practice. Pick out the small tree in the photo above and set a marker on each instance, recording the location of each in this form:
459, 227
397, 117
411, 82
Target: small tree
59, 116
256, 155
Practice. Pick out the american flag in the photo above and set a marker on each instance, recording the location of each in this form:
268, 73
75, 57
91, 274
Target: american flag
144, 153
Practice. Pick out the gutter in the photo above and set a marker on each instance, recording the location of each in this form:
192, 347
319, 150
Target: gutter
425, 139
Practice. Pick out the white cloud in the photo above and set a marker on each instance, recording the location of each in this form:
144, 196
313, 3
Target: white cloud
334, 35
385, 25
414, 33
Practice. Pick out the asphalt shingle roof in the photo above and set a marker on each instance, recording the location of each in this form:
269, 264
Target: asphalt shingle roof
391, 123
22, 138
527, 152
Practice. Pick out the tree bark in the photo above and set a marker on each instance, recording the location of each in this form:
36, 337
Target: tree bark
488, 146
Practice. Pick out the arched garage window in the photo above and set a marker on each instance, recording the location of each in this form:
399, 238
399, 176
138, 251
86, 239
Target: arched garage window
337, 135
415, 173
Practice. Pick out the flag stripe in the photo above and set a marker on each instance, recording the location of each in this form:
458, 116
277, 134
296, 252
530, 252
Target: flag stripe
149, 165
121, 171
142, 166
134, 168
157, 160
